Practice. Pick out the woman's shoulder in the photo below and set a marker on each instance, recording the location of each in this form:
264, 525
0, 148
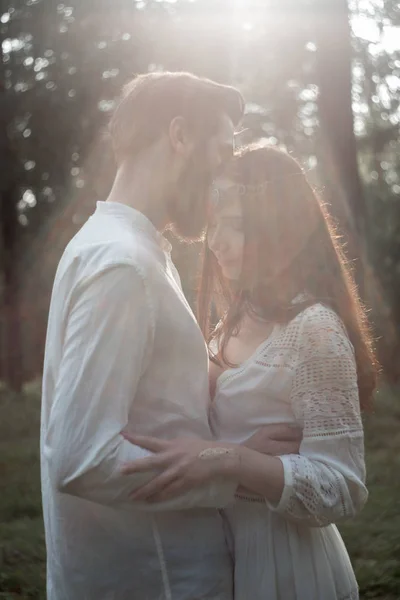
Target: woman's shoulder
319, 315
319, 327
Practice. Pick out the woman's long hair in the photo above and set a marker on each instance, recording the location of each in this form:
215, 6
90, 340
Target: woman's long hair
291, 248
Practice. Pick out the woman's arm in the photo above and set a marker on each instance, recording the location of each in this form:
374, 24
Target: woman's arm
324, 483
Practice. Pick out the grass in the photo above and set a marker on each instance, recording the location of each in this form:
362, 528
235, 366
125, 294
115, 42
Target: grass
373, 538
22, 549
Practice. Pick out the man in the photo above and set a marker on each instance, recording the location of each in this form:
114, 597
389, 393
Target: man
124, 352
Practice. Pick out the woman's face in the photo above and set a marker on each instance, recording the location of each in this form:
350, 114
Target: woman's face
225, 235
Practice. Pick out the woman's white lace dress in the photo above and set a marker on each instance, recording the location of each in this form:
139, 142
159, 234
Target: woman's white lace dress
305, 373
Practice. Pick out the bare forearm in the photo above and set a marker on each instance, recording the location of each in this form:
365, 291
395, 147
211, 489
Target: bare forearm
275, 439
259, 473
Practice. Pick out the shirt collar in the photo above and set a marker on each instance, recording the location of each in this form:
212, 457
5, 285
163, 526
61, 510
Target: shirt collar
136, 219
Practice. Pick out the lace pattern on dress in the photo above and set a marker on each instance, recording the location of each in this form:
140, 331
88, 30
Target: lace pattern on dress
316, 493
325, 400
324, 390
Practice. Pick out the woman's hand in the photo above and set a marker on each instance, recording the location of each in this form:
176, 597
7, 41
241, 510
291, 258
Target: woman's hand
182, 464
276, 439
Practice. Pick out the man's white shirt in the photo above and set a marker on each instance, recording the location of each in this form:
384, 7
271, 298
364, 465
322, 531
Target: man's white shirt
124, 350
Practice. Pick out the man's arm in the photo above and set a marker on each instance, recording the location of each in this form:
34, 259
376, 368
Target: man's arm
107, 341
107, 344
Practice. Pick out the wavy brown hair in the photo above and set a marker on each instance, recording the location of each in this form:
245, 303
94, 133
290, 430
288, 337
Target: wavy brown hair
291, 247
151, 100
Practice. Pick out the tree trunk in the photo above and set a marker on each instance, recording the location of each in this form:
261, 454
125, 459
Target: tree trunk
11, 358
10, 347
339, 156
339, 149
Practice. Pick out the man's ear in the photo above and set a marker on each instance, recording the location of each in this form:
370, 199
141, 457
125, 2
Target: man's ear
179, 136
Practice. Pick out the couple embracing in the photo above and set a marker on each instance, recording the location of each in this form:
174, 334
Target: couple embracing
207, 457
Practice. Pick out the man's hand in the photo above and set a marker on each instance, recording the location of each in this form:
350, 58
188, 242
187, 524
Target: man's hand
276, 439
179, 465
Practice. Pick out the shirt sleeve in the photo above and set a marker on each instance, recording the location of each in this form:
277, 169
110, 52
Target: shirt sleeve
108, 340
325, 482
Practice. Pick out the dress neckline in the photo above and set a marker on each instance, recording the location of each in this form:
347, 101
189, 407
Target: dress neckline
233, 371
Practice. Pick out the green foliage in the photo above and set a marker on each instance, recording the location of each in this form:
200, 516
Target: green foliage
376, 101
22, 549
373, 538
64, 64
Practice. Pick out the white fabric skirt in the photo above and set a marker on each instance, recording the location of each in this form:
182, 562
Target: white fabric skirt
276, 559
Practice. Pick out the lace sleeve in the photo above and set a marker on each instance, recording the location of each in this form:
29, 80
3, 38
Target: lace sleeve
325, 482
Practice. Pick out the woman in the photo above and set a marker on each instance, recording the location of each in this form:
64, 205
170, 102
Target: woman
292, 346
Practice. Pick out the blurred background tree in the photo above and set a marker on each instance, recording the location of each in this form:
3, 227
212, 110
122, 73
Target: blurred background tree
321, 78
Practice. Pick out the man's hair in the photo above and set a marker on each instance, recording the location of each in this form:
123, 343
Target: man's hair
151, 101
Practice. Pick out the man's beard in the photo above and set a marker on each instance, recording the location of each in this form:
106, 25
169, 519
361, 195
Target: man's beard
187, 208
